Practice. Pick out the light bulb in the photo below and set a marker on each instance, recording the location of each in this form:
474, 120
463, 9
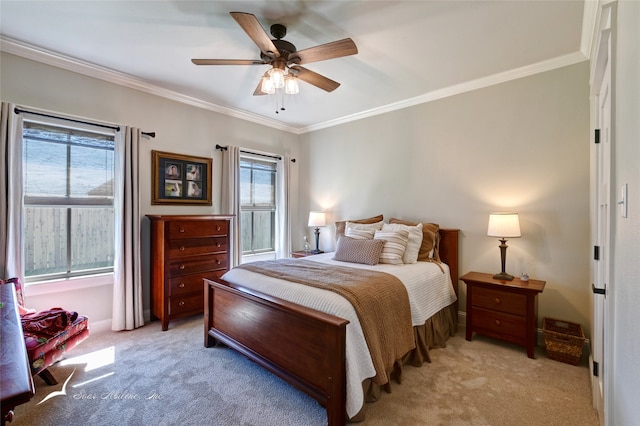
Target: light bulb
267, 86
277, 77
291, 85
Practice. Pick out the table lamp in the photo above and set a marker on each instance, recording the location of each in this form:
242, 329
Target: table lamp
503, 226
317, 219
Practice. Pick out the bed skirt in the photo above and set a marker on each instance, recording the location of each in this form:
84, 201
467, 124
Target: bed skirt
432, 335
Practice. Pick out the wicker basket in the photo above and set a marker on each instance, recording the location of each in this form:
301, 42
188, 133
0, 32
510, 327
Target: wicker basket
563, 340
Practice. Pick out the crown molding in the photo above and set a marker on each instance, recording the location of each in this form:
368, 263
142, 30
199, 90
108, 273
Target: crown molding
82, 67
548, 65
79, 66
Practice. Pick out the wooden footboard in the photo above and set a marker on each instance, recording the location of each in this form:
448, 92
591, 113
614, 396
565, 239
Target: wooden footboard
303, 346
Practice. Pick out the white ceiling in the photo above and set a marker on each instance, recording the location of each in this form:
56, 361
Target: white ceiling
408, 51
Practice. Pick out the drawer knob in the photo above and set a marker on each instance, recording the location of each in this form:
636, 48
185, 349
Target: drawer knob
497, 300
219, 262
181, 248
218, 228
181, 229
181, 285
498, 322
219, 245
181, 303
181, 266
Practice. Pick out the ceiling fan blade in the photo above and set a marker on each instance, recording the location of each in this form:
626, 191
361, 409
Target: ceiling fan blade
331, 50
254, 30
226, 62
316, 79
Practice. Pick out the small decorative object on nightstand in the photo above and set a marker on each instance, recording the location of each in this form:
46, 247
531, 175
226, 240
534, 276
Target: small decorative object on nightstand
503, 309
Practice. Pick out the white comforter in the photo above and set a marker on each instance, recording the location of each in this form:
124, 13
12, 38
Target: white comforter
429, 289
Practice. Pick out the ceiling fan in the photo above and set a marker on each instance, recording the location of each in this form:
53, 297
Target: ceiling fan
285, 60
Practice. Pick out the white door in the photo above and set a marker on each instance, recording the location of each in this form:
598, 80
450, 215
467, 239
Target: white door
603, 216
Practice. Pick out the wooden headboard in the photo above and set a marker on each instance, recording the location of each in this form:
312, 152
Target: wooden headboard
448, 250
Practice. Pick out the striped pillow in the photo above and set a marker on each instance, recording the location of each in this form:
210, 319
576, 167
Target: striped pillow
358, 251
415, 240
394, 246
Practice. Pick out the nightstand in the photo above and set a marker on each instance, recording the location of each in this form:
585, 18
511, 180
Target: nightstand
301, 253
505, 310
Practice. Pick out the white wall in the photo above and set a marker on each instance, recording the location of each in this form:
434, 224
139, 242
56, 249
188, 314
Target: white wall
623, 382
521, 146
179, 128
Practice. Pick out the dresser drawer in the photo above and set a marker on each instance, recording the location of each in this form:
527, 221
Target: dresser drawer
499, 323
192, 283
195, 228
499, 300
195, 264
193, 302
194, 246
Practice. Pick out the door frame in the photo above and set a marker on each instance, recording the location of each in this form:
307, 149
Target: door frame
603, 67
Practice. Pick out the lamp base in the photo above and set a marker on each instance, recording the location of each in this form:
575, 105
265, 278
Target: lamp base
316, 251
503, 276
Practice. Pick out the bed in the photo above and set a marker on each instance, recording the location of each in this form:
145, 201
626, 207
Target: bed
307, 347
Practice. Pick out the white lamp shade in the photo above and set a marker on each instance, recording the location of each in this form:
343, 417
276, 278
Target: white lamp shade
504, 225
291, 85
277, 77
317, 219
267, 86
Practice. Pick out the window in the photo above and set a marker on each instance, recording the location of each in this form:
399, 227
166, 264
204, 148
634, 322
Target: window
68, 201
257, 205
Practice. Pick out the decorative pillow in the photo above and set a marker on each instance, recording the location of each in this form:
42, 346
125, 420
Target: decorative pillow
415, 240
361, 231
394, 246
429, 246
340, 226
359, 251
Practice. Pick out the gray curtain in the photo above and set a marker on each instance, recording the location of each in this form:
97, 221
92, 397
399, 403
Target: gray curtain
11, 193
127, 278
230, 202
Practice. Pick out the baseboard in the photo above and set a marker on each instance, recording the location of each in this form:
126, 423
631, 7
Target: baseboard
105, 325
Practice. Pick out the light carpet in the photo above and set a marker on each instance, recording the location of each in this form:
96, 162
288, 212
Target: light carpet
151, 377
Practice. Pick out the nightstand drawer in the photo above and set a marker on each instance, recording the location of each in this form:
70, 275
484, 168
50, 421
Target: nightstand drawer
499, 300
499, 323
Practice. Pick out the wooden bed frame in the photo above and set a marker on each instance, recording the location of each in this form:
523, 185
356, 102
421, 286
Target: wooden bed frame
304, 347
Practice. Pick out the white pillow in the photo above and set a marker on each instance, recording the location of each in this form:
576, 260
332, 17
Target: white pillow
415, 240
362, 231
394, 246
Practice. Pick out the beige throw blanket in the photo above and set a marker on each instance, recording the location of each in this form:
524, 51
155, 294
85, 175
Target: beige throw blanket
380, 300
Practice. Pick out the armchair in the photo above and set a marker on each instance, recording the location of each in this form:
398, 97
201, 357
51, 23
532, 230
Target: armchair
48, 335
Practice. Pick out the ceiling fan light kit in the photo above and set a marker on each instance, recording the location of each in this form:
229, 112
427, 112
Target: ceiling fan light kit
284, 58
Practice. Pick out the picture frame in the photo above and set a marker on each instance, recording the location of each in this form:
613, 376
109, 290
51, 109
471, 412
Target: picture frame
180, 179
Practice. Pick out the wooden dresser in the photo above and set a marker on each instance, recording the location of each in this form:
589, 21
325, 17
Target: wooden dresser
501, 309
185, 249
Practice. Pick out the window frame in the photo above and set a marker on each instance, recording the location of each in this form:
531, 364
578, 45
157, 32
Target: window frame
273, 208
68, 201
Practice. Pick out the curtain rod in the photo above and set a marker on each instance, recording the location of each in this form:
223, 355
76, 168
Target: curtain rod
116, 128
105, 126
277, 157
